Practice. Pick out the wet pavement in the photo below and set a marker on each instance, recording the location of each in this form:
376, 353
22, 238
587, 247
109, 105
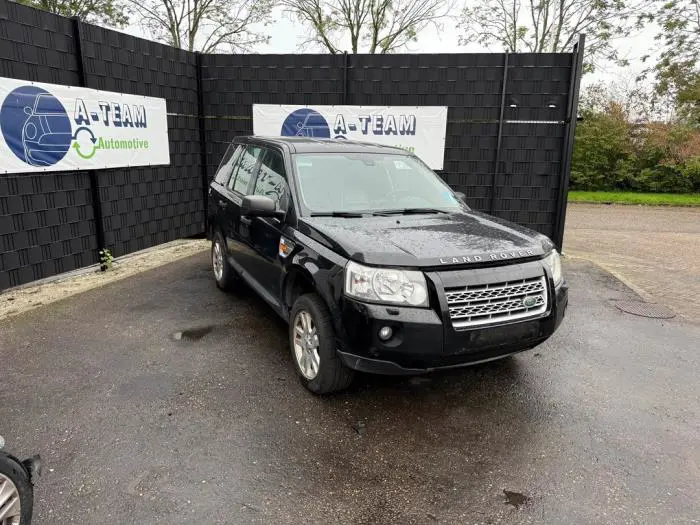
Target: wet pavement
159, 399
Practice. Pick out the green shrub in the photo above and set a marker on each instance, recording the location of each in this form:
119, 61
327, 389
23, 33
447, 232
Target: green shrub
664, 179
602, 152
691, 171
610, 153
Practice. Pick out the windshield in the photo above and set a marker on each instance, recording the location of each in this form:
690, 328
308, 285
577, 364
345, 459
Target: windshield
365, 182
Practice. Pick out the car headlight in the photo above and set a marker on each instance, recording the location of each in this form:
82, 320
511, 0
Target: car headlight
385, 285
554, 262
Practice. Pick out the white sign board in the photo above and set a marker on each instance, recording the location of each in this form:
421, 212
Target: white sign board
420, 130
48, 127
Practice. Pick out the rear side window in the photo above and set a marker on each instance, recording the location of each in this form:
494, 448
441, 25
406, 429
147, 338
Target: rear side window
244, 170
227, 163
272, 181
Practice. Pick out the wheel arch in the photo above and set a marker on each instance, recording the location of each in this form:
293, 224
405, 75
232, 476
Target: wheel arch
298, 281
212, 228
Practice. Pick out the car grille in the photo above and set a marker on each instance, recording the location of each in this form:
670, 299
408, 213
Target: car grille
497, 302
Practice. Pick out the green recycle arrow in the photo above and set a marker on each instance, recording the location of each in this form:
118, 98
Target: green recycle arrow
76, 147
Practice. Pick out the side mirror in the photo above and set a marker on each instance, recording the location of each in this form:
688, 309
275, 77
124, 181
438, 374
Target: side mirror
27, 110
258, 206
461, 196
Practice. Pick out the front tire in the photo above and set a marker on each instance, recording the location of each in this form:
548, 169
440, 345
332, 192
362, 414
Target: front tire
224, 275
312, 341
16, 493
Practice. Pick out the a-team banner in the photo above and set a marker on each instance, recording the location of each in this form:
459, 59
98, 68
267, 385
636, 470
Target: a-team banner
417, 129
48, 127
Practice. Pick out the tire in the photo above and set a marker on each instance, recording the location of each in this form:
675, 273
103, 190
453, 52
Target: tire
12, 471
224, 275
331, 375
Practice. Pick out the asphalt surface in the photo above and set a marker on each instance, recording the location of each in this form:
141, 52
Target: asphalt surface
159, 399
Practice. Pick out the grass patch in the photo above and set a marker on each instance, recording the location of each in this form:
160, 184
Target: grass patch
625, 197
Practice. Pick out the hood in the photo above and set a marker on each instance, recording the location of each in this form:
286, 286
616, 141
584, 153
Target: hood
456, 239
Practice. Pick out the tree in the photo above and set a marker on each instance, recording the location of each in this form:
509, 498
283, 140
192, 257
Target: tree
613, 152
111, 13
205, 25
372, 26
603, 149
635, 99
541, 26
677, 70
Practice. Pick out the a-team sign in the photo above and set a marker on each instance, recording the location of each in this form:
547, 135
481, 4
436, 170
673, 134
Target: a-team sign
48, 127
420, 130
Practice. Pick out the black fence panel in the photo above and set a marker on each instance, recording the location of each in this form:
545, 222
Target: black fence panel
528, 179
233, 83
470, 152
46, 226
143, 206
136, 207
508, 143
469, 84
37, 46
46, 220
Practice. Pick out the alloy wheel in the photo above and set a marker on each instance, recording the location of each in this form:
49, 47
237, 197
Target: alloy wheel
306, 345
217, 260
10, 505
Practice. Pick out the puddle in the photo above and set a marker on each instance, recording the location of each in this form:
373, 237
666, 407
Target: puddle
515, 498
193, 334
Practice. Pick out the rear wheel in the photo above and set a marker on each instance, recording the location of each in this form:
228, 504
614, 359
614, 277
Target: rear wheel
16, 494
312, 341
224, 275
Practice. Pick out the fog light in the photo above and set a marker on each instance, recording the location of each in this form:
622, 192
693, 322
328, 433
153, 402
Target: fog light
385, 333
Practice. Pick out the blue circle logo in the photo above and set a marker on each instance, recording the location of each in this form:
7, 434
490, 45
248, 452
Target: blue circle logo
35, 126
305, 122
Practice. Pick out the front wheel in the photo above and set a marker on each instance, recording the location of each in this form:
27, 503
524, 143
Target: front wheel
16, 493
225, 276
312, 341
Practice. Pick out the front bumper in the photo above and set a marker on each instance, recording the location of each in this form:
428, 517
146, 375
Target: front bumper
424, 339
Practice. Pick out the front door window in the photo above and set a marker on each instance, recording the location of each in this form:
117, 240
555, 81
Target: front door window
271, 181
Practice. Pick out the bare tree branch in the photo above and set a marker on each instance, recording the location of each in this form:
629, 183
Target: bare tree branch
373, 26
551, 25
111, 13
205, 25
677, 71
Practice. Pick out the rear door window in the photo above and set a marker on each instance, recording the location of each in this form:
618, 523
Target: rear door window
245, 169
225, 170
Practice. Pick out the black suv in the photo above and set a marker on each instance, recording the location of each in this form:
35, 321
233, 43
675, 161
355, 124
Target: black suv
375, 263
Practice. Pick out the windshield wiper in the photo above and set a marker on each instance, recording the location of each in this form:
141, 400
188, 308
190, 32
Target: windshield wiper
409, 211
346, 214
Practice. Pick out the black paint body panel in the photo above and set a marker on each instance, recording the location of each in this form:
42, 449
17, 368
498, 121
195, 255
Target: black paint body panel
462, 248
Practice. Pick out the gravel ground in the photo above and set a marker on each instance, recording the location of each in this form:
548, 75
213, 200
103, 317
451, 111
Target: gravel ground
654, 249
20, 300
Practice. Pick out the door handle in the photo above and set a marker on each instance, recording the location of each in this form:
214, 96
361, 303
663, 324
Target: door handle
246, 220
223, 204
